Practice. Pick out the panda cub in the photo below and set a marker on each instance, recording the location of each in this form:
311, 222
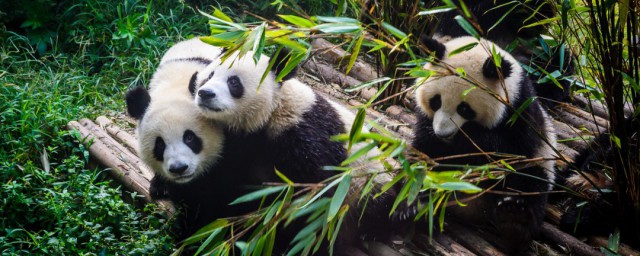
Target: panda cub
295, 123
179, 145
456, 118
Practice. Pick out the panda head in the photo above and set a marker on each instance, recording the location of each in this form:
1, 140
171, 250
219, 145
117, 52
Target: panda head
449, 98
173, 139
230, 92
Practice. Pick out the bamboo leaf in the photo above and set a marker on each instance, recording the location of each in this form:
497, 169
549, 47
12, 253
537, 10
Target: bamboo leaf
467, 26
286, 42
205, 231
394, 31
258, 194
463, 48
356, 128
339, 196
298, 21
338, 28
337, 19
465, 187
367, 84
355, 156
435, 10
308, 230
518, 112
219, 14
216, 41
355, 52
541, 23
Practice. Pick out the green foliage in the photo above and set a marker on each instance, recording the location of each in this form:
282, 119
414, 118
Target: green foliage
605, 34
52, 200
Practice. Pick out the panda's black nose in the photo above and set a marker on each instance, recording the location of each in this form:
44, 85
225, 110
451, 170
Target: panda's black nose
206, 94
178, 168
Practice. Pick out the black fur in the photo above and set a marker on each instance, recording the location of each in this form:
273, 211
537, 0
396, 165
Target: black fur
193, 141
158, 149
207, 197
434, 46
302, 150
192, 83
138, 100
489, 12
236, 89
200, 60
490, 70
519, 219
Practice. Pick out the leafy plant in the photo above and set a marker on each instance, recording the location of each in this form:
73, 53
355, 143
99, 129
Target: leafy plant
606, 34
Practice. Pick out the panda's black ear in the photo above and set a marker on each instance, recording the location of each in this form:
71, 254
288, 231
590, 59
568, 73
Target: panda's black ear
490, 70
281, 62
434, 46
138, 100
192, 83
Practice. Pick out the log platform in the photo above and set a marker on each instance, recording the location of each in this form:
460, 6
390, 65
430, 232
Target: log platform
111, 142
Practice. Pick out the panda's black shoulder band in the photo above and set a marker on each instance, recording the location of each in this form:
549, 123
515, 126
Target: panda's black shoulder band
137, 100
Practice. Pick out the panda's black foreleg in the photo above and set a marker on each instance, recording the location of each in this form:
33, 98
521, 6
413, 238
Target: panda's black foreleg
518, 213
159, 188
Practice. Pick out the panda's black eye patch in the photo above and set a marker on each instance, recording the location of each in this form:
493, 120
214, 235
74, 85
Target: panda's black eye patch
435, 102
465, 111
192, 141
158, 149
235, 86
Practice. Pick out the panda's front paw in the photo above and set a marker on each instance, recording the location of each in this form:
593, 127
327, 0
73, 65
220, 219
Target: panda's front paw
158, 189
516, 222
510, 204
405, 213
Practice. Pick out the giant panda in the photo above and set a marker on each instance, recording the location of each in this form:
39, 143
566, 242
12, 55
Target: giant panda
504, 22
297, 125
459, 114
184, 149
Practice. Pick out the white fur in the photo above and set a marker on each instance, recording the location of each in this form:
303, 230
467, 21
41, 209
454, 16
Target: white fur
254, 108
192, 48
169, 119
171, 112
294, 99
489, 110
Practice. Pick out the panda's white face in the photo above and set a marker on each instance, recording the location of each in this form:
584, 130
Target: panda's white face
451, 101
231, 92
177, 143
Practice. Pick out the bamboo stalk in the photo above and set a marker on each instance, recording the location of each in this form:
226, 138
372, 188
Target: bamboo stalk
122, 166
471, 240
127, 139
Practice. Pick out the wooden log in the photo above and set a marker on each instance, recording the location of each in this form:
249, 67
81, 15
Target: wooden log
122, 166
571, 244
601, 122
591, 106
400, 113
440, 245
330, 74
471, 240
123, 137
623, 249
335, 55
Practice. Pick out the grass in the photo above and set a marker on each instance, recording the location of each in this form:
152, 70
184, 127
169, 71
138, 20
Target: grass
53, 201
